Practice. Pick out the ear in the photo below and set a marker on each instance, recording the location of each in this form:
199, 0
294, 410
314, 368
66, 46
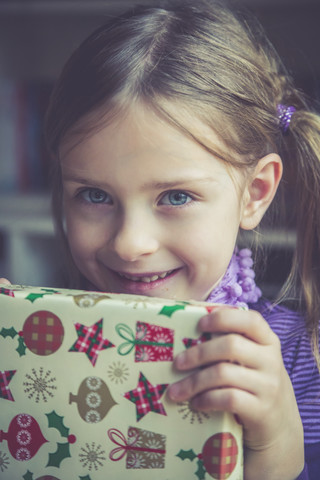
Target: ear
261, 189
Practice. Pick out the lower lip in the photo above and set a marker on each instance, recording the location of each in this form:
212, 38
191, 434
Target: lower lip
142, 288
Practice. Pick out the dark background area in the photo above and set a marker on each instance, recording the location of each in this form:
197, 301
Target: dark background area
294, 28
36, 37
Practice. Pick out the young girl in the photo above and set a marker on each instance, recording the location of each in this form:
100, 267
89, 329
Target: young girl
170, 128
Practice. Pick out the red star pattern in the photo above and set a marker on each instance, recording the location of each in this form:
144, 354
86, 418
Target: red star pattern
147, 397
90, 340
190, 342
5, 378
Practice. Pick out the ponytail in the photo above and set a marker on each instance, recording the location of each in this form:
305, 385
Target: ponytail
301, 155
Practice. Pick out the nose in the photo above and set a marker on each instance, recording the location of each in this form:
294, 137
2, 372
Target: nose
133, 238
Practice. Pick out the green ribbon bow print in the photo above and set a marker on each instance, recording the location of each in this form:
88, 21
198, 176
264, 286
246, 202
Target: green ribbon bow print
127, 334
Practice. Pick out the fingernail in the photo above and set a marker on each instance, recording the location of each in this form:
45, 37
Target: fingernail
180, 360
204, 322
173, 391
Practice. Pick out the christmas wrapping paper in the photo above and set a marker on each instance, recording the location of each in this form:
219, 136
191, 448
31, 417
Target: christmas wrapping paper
83, 379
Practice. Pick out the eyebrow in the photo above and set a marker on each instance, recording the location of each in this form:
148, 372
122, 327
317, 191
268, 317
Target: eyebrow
146, 186
176, 183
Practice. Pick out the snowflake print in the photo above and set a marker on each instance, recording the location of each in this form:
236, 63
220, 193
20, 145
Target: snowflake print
23, 437
136, 461
139, 301
142, 332
92, 416
23, 454
24, 420
93, 383
164, 357
156, 464
93, 400
153, 444
118, 372
40, 385
164, 338
148, 434
145, 354
4, 461
92, 456
157, 328
134, 438
88, 300
190, 414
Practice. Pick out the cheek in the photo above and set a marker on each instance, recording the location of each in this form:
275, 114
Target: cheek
83, 239
209, 245
211, 232
78, 242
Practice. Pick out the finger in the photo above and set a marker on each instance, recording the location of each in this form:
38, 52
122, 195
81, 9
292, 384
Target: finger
226, 348
249, 411
222, 375
244, 322
241, 403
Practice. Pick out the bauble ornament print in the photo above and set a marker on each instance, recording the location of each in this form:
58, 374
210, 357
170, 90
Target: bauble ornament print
94, 399
24, 437
43, 332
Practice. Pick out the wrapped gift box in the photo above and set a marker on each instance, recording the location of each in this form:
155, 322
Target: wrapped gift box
83, 379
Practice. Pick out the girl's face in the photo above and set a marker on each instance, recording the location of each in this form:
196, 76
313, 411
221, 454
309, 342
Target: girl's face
148, 211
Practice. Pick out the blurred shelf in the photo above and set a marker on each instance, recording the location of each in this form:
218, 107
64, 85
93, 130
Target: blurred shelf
30, 254
27, 214
276, 238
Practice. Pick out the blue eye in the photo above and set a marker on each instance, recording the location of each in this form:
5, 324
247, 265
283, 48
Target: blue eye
94, 195
176, 198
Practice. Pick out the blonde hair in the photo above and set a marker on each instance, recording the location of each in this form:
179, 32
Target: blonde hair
219, 66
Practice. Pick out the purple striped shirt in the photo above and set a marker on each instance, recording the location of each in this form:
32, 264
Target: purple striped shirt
301, 367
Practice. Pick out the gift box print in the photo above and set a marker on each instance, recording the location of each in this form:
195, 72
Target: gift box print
143, 449
83, 379
152, 343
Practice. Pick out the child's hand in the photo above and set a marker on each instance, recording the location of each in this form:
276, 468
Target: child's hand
4, 281
243, 373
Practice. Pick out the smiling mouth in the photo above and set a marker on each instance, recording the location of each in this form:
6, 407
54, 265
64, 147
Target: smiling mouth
145, 278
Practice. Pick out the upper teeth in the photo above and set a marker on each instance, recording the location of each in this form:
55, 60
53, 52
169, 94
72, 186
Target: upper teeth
153, 278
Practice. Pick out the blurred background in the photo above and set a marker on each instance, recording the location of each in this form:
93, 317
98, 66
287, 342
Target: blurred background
36, 38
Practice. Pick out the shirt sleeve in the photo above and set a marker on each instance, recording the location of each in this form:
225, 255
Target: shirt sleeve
312, 460
302, 369
304, 475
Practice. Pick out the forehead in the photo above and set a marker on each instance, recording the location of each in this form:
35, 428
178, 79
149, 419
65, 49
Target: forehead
137, 130
140, 126
141, 148
140, 143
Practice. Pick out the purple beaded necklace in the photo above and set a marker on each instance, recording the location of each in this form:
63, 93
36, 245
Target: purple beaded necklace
237, 287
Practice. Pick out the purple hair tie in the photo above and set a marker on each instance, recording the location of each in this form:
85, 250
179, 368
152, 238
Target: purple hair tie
284, 115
